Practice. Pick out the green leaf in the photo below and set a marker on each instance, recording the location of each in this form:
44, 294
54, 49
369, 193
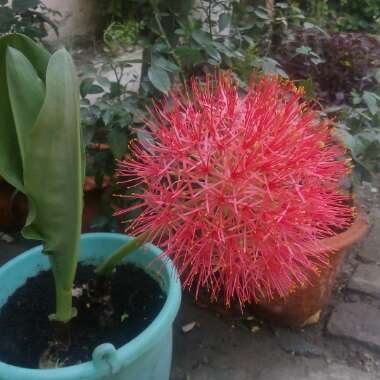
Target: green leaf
10, 156
145, 138
201, 37
23, 5
269, 65
282, 5
95, 89
309, 25
107, 117
159, 78
115, 89
224, 21
103, 81
262, 14
165, 64
304, 50
25, 105
370, 99
54, 176
118, 142
309, 88
88, 87
189, 55
213, 53
42, 134
356, 98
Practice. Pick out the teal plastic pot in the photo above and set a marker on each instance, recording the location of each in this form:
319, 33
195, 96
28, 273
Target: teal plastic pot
147, 357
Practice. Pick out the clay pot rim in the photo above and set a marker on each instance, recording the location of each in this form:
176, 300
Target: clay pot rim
354, 233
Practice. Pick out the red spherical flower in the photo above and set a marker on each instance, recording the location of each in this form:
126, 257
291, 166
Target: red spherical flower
239, 190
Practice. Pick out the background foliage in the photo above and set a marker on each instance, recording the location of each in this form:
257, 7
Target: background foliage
30, 17
330, 47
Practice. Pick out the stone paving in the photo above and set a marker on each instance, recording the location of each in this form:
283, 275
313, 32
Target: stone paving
366, 279
345, 345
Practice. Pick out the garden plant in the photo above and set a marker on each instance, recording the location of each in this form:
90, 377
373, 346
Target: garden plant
236, 177
301, 40
42, 155
241, 191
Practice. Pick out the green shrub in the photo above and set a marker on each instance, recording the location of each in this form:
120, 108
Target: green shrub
31, 18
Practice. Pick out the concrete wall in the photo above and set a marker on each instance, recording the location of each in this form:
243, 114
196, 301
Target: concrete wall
78, 18
81, 18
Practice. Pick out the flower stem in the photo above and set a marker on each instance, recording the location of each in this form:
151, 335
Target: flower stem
106, 268
64, 310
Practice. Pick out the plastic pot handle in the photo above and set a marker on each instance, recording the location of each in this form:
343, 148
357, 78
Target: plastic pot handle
105, 359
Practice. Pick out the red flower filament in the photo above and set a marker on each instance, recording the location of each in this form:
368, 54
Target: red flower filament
239, 190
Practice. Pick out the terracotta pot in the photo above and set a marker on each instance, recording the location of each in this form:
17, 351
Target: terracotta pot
304, 306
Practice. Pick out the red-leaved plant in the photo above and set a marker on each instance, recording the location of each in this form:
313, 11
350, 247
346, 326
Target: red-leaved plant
239, 190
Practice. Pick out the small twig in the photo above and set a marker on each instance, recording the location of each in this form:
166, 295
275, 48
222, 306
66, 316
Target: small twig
209, 19
169, 45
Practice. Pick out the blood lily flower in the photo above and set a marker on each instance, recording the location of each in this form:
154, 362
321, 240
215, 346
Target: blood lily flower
239, 190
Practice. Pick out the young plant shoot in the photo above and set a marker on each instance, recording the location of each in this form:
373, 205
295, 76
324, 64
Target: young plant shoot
41, 152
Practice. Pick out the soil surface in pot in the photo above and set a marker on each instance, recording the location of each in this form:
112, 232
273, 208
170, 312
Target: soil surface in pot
27, 337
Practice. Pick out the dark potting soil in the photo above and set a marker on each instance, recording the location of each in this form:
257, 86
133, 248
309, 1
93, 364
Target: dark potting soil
132, 302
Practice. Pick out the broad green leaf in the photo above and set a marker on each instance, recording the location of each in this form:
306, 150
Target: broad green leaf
165, 64
10, 155
85, 86
26, 94
159, 78
42, 152
309, 88
145, 138
201, 37
356, 98
305, 50
282, 5
347, 138
107, 117
103, 81
262, 14
309, 25
118, 142
213, 53
88, 87
54, 173
370, 100
269, 66
189, 55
